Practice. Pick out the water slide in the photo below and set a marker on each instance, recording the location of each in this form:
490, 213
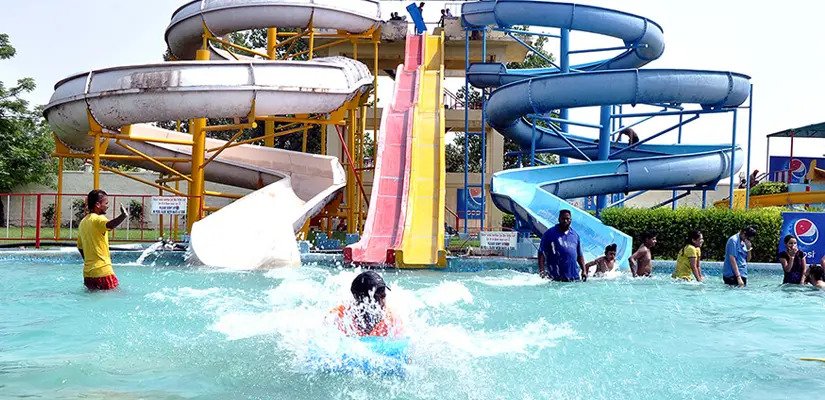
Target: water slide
815, 176
536, 194
290, 186
386, 216
405, 223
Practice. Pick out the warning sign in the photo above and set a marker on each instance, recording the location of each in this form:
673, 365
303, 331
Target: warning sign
169, 205
498, 240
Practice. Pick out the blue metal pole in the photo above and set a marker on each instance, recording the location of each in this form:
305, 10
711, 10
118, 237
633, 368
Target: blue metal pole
748, 167
483, 135
564, 61
604, 150
704, 199
679, 140
533, 144
466, 127
732, 156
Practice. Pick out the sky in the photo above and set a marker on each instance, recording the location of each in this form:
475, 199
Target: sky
778, 45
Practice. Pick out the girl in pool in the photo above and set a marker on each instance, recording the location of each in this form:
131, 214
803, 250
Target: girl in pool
793, 262
688, 261
368, 315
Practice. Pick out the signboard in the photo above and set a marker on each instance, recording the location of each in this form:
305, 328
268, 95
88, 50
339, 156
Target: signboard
781, 167
497, 240
169, 205
807, 228
473, 205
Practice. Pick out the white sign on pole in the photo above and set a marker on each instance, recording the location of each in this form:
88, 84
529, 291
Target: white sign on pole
498, 240
169, 205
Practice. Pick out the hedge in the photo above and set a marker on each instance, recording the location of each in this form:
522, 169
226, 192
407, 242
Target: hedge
769, 188
716, 224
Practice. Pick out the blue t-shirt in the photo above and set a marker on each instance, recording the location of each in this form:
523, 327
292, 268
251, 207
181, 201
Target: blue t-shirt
736, 248
561, 251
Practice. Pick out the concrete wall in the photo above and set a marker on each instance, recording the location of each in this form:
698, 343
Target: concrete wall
76, 184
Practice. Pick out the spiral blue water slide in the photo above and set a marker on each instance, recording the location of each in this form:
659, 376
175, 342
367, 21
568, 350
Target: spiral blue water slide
536, 194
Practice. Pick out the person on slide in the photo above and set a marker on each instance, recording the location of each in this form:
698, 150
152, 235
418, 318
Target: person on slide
368, 314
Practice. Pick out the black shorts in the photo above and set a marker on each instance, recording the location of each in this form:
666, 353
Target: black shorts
731, 280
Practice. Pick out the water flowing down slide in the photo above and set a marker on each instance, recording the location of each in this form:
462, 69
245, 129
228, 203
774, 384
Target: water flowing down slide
536, 194
386, 216
257, 230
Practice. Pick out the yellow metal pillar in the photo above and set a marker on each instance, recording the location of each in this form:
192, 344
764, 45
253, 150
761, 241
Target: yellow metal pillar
271, 45
58, 206
198, 131
96, 162
352, 189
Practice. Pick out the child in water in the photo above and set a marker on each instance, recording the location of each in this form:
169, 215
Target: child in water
641, 262
688, 261
368, 314
605, 263
816, 275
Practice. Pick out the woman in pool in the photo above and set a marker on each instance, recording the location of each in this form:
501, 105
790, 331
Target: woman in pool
688, 262
368, 314
793, 262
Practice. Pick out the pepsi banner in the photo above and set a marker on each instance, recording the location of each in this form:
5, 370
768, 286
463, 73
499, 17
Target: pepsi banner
781, 167
472, 208
807, 228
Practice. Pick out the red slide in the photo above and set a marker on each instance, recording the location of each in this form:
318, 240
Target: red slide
385, 219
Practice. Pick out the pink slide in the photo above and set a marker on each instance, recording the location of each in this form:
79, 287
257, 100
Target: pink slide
385, 220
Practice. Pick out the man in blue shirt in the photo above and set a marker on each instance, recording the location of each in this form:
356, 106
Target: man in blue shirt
560, 252
737, 255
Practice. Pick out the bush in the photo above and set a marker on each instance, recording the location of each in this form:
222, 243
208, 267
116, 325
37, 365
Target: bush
508, 221
136, 212
49, 214
769, 188
716, 224
78, 210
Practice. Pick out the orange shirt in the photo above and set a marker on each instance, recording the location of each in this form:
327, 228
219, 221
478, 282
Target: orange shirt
389, 326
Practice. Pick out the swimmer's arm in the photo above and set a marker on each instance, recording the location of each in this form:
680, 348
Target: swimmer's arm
787, 264
634, 267
592, 263
542, 272
694, 265
804, 271
118, 220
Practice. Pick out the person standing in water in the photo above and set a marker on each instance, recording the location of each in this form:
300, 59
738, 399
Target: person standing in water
560, 252
737, 254
688, 261
368, 315
641, 262
605, 263
93, 242
793, 262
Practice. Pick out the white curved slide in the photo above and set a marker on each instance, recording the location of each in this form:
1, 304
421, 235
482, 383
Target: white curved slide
257, 230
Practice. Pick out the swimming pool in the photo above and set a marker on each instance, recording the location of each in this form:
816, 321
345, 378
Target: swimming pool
173, 332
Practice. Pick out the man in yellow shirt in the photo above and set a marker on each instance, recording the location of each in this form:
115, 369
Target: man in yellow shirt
93, 242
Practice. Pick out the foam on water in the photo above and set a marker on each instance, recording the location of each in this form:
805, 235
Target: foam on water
513, 278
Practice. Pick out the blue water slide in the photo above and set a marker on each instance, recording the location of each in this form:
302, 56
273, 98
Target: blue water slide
536, 194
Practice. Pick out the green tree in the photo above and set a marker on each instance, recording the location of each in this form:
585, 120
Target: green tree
24, 135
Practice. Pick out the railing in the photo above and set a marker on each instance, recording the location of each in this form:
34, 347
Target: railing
31, 218
453, 102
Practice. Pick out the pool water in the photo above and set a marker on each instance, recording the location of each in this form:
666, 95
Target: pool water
175, 332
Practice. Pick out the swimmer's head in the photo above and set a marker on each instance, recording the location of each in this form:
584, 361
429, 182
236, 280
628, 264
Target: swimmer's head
610, 251
369, 286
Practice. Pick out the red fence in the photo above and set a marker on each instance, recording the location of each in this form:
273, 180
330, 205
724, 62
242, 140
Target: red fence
31, 218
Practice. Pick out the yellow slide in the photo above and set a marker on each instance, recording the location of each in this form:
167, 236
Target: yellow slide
815, 175
422, 244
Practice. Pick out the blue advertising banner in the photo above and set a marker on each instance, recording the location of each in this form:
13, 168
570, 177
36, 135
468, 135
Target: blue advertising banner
473, 205
807, 228
781, 167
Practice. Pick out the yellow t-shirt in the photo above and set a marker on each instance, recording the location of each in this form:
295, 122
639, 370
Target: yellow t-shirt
683, 269
93, 239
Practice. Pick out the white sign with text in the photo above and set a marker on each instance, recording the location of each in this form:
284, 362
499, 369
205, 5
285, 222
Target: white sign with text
169, 205
498, 240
